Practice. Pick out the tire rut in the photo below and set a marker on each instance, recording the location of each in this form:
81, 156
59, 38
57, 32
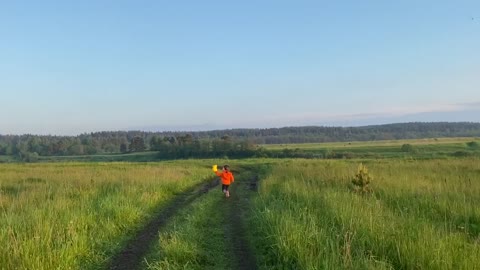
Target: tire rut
241, 249
131, 256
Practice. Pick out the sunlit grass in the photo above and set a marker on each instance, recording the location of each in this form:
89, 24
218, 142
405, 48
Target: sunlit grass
418, 149
353, 144
76, 215
422, 214
195, 238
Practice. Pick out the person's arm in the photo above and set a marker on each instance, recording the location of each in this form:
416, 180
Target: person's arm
214, 169
233, 180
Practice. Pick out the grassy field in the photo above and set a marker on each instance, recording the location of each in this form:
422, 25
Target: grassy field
436, 148
418, 148
301, 214
420, 215
129, 157
75, 215
370, 144
149, 156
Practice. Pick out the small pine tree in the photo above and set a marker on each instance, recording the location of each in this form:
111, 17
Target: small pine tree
362, 180
473, 145
407, 148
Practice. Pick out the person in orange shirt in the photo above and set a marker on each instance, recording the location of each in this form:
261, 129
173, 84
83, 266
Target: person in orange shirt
226, 177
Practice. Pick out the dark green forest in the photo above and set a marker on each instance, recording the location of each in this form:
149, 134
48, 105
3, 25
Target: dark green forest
217, 143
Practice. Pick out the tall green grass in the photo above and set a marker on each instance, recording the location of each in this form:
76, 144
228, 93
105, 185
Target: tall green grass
76, 215
421, 215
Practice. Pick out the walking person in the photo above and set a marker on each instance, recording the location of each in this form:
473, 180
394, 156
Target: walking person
226, 177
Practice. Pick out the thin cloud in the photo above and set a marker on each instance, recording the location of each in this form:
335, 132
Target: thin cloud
298, 119
470, 105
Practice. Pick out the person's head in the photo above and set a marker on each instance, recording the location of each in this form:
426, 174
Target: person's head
226, 168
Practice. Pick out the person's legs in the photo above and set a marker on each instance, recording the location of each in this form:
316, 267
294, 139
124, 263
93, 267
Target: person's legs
227, 193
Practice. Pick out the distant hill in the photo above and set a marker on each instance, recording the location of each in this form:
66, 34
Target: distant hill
131, 141
466, 115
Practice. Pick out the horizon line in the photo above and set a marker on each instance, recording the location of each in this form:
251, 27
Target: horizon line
241, 128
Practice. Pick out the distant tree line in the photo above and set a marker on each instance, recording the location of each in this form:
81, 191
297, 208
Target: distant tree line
30, 147
315, 134
186, 146
233, 142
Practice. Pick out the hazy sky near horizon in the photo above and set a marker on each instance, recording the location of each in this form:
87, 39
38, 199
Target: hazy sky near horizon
68, 67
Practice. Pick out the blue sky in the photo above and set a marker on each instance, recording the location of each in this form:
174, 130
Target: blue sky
68, 67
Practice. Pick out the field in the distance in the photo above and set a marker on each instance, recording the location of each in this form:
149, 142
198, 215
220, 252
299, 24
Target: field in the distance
415, 148
352, 144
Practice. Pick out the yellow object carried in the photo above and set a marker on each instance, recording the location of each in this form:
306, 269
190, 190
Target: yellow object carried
214, 168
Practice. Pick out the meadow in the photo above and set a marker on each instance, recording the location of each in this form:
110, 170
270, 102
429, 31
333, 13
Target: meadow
283, 214
419, 215
76, 215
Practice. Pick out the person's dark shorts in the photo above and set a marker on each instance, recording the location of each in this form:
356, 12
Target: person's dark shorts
225, 187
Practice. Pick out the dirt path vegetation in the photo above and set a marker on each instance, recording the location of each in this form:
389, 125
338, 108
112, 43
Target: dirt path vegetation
237, 207
244, 258
130, 257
